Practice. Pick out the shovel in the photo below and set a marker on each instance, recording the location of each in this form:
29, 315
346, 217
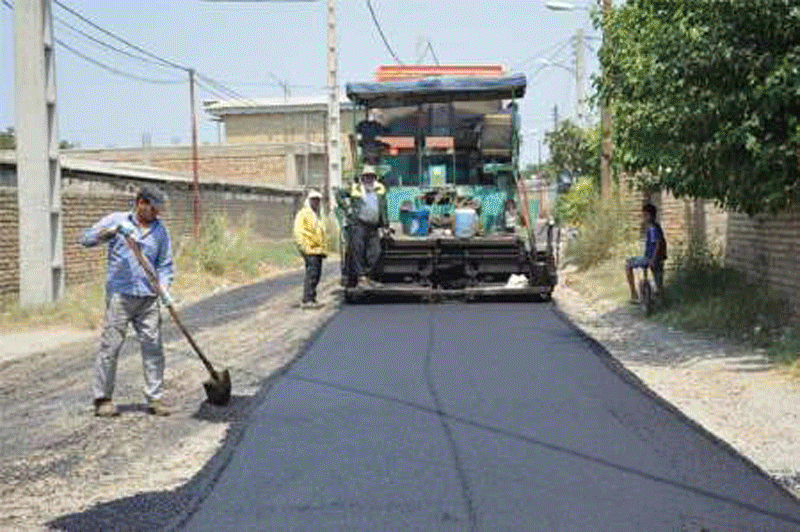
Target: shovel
218, 388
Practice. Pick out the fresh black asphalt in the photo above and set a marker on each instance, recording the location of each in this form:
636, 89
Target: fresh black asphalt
477, 417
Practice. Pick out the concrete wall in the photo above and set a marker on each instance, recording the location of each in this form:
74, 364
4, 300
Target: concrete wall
250, 165
88, 196
283, 127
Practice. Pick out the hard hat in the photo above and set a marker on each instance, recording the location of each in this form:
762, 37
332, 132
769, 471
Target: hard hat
312, 194
369, 170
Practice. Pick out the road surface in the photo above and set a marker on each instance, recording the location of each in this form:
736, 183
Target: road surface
477, 417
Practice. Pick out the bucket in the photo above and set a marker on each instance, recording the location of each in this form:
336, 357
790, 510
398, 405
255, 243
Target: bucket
466, 223
419, 223
405, 216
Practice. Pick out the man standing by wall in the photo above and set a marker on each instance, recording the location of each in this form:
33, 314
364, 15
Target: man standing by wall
130, 298
311, 240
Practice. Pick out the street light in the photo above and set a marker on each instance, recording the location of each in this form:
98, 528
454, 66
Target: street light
565, 6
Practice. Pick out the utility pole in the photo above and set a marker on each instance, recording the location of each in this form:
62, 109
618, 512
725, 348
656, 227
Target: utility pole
555, 118
195, 169
579, 76
605, 127
334, 128
41, 255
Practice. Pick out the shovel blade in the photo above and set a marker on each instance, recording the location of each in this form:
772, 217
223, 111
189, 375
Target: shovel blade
218, 390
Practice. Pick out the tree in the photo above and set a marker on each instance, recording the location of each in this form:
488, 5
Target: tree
574, 150
67, 145
8, 140
705, 98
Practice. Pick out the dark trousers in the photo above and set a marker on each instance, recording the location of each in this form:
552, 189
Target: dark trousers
313, 274
365, 249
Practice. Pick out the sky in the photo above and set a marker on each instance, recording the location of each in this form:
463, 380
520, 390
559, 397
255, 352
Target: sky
247, 45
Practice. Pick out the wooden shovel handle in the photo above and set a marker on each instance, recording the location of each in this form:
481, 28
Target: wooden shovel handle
153, 279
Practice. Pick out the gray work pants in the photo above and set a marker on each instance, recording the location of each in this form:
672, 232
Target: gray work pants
366, 248
313, 274
145, 315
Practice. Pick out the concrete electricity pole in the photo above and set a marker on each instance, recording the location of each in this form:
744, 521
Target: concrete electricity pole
41, 256
605, 128
580, 73
334, 122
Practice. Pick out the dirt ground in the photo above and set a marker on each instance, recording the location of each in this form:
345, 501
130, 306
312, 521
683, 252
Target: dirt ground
730, 389
64, 469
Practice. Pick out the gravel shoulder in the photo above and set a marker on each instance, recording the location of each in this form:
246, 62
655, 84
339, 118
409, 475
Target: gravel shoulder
64, 469
732, 390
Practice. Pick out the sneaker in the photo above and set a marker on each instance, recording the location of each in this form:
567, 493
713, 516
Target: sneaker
363, 281
306, 305
105, 408
633, 301
157, 407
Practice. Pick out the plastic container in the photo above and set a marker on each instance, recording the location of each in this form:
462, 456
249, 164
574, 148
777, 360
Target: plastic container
419, 223
466, 223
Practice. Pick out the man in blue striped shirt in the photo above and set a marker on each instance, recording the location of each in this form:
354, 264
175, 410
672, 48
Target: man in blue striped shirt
130, 298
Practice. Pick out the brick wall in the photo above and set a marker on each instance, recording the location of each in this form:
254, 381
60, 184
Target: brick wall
683, 220
88, 197
767, 249
251, 165
9, 241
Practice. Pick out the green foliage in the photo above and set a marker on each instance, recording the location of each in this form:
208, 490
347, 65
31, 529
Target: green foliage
597, 239
704, 295
67, 145
705, 97
233, 252
573, 207
574, 149
8, 140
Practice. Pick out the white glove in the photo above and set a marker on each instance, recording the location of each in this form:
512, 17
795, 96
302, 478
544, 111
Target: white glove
126, 229
166, 298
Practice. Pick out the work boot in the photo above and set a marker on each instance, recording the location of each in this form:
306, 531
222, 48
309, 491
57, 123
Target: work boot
105, 408
157, 407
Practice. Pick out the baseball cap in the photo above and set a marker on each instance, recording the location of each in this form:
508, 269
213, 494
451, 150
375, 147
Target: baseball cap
153, 195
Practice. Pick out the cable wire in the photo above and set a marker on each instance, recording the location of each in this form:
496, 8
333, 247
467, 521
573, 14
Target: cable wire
120, 39
163, 62
378, 26
118, 71
104, 66
561, 44
104, 44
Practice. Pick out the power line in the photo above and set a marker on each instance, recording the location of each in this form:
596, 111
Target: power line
161, 61
120, 39
105, 44
560, 44
118, 71
378, 26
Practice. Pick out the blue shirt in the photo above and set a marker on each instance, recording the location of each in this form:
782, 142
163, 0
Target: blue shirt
654, 236
125, 274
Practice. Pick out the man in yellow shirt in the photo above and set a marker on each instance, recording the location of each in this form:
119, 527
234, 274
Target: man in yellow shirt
311, 240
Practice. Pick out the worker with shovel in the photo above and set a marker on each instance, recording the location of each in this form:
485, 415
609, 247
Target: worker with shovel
130, 298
